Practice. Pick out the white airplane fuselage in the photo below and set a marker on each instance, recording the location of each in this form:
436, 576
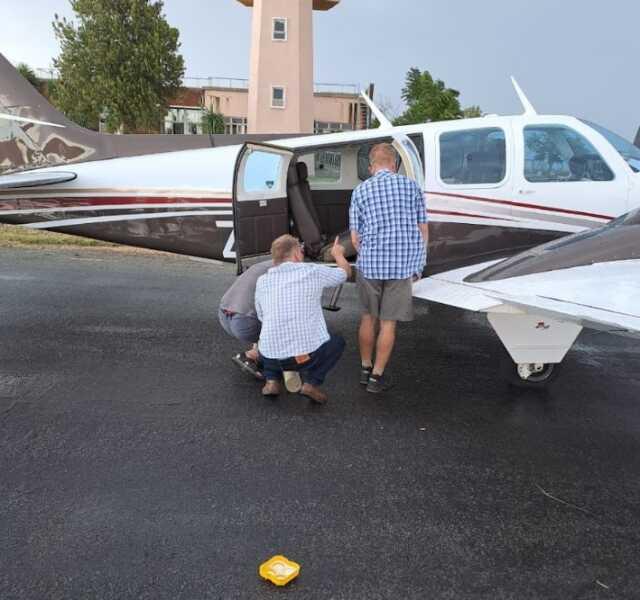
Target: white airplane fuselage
525, 180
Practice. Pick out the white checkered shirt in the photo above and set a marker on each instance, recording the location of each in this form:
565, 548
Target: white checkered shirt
385, 211
289, 304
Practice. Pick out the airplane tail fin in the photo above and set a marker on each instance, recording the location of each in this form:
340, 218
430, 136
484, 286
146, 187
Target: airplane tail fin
33, 133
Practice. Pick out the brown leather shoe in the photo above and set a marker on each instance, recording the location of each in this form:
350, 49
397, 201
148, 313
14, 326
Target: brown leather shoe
272, 388
314, 393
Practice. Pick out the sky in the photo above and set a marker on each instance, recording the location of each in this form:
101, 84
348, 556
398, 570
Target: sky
577, 57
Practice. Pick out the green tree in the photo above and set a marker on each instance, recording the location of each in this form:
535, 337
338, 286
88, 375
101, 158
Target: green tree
120, 59
471, 112
212, 122
29, 74
429, 99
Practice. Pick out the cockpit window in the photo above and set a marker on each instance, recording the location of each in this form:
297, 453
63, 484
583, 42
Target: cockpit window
625, 148
555, 153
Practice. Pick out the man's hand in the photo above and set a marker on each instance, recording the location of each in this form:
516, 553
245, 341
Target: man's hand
337, 250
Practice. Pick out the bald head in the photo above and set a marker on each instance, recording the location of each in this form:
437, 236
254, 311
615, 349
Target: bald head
382, 156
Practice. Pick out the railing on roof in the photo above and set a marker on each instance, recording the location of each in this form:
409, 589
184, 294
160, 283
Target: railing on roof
233, 82
336, 88
223, 82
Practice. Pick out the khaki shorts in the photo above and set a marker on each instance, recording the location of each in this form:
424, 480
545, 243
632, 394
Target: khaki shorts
388, 300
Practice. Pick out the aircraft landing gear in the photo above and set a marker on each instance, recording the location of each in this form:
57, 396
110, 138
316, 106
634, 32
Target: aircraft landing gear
529, 375
535, 344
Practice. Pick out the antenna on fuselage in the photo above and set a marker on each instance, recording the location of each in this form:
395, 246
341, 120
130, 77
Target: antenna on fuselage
528, 107
382, 118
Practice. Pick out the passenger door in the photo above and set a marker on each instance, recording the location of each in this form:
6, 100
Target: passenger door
260, 205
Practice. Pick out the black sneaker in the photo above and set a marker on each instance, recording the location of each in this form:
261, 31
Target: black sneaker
378, 384
365, 373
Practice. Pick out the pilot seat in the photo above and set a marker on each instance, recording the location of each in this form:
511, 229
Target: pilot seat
306, 219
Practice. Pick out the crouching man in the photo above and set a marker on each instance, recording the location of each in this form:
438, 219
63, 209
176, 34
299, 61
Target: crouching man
294, 334
237, 315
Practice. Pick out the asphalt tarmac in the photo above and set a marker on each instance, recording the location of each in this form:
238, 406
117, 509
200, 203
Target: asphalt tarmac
136, 461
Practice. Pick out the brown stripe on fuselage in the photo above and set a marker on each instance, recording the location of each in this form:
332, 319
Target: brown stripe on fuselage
522, 205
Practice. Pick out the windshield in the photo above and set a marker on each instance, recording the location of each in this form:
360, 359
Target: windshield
625, 148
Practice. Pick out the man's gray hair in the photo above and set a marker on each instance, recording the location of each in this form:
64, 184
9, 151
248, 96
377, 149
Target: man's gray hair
283, 248
383, 154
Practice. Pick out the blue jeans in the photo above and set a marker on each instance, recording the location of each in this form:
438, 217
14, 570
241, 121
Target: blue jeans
313, 371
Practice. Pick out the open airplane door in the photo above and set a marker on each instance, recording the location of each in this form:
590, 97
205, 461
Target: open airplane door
260, 205
410, 158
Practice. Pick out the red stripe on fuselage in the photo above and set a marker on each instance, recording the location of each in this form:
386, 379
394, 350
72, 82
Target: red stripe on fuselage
80, 201
523, 205
469, 215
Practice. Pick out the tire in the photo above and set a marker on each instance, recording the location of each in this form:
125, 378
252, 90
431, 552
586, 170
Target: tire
536, 381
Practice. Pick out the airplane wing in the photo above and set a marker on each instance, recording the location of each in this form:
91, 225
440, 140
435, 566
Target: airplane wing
35, 178
603, 296
539, 301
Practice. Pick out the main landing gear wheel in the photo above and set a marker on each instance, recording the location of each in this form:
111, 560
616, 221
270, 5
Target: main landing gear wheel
529, 375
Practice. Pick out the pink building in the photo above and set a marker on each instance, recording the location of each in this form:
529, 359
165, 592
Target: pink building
280, 96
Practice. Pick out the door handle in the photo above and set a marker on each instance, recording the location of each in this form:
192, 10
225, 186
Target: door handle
526, 192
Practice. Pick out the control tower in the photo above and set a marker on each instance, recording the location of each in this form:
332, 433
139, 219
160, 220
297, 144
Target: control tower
281, 71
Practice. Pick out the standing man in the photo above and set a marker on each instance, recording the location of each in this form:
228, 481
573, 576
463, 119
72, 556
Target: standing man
237, 316
388, 223
294, 333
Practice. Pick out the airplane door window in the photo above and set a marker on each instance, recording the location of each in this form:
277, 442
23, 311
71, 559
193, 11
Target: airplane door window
556, 153
473, 156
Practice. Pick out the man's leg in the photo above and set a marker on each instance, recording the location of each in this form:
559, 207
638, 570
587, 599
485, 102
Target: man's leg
323, 360
246, 328
367, 339
384, 347
273, 375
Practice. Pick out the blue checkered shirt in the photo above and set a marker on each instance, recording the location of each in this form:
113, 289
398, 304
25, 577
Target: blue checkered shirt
289, 304
385, 212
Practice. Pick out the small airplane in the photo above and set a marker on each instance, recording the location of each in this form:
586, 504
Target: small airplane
495, 187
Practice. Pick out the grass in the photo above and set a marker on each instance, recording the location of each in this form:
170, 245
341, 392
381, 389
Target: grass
14, 236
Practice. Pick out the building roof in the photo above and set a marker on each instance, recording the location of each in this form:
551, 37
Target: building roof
188, 96
317, 4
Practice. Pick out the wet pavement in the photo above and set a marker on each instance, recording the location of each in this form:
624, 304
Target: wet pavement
138, 462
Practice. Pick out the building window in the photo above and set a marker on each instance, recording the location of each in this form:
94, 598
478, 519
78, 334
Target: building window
325, 127
278, 97
554, 153
235, 125
279, 30
473, 156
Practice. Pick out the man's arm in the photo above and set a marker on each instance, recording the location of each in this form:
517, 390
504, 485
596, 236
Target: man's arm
257, 299
355, 240
338, 255
421, 215
354, 220
424, 230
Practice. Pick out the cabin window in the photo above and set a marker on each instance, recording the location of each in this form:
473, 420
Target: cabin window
279, 29
473, 156
324, 166
555, 153
262, 172
278, 97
